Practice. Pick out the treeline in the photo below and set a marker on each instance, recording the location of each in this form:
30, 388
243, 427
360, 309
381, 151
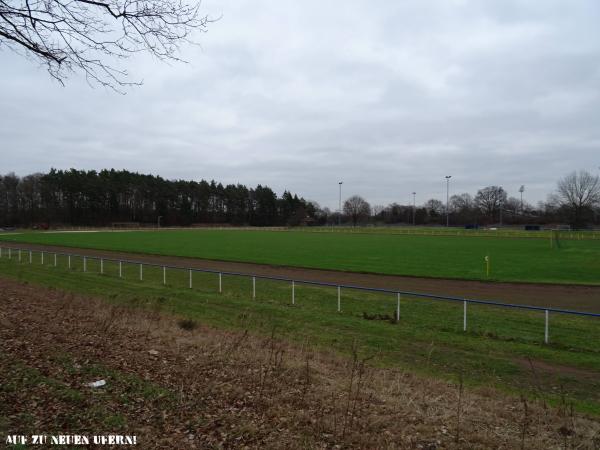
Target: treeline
575, 202
92, 198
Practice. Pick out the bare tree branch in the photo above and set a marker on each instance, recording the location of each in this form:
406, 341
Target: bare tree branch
86, 35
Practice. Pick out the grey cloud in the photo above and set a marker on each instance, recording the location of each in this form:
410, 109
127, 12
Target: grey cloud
388, 97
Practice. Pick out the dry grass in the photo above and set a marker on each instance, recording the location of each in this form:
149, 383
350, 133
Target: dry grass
197, 387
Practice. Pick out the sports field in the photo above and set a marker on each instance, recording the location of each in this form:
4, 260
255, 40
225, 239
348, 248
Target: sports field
572, 261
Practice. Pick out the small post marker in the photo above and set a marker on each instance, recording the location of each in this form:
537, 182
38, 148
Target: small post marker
69, 261
101, 265
164, 275
546, 330
220, 282
84, 263
120, 269
465, 315
190, 278
253, 288
141, 271
339, 299
42, 258
30, 256
55, 260
398, 308
293, 293
487, 266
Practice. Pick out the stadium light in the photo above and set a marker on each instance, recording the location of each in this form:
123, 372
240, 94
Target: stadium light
448, 199
521, 190
340, 216
414, 206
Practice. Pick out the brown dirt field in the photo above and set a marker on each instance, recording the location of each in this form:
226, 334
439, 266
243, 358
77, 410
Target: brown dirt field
573, 297
206, 388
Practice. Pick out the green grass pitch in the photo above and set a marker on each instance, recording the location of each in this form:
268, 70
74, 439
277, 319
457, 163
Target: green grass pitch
458, 257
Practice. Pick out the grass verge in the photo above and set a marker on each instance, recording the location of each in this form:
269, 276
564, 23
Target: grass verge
501, 348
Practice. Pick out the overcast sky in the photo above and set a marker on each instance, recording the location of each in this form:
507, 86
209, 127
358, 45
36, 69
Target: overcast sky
387, 96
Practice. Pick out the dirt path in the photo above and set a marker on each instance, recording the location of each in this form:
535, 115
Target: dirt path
579, 298
198, 387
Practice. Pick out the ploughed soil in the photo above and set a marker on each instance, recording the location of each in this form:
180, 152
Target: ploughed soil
573, 297
180, 384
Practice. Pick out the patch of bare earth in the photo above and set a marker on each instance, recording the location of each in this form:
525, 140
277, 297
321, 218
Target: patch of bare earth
178, 384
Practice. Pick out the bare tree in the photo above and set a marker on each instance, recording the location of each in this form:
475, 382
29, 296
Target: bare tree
85, 35
357, 208
378, 209
513, 206
490, 199
461, 203
579, 193
434, 207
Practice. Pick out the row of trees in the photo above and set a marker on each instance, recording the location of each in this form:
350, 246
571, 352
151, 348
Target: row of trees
103, 198
77, 197
576, 201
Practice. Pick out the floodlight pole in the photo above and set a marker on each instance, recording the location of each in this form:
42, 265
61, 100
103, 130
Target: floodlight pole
521, 190
448, 199
521, 201
340, 216
414, 206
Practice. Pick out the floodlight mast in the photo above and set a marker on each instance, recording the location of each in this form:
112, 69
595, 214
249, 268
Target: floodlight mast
501, 206
414, 207
521, 190
448, 199
340, 216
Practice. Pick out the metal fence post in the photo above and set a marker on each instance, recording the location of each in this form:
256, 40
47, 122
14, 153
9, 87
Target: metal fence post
164, 275
293, 293
546, 329
465, 315
339, 299
190, 278
220, 282
141, 271
398, 308
253, 288
84, 263
120, 269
